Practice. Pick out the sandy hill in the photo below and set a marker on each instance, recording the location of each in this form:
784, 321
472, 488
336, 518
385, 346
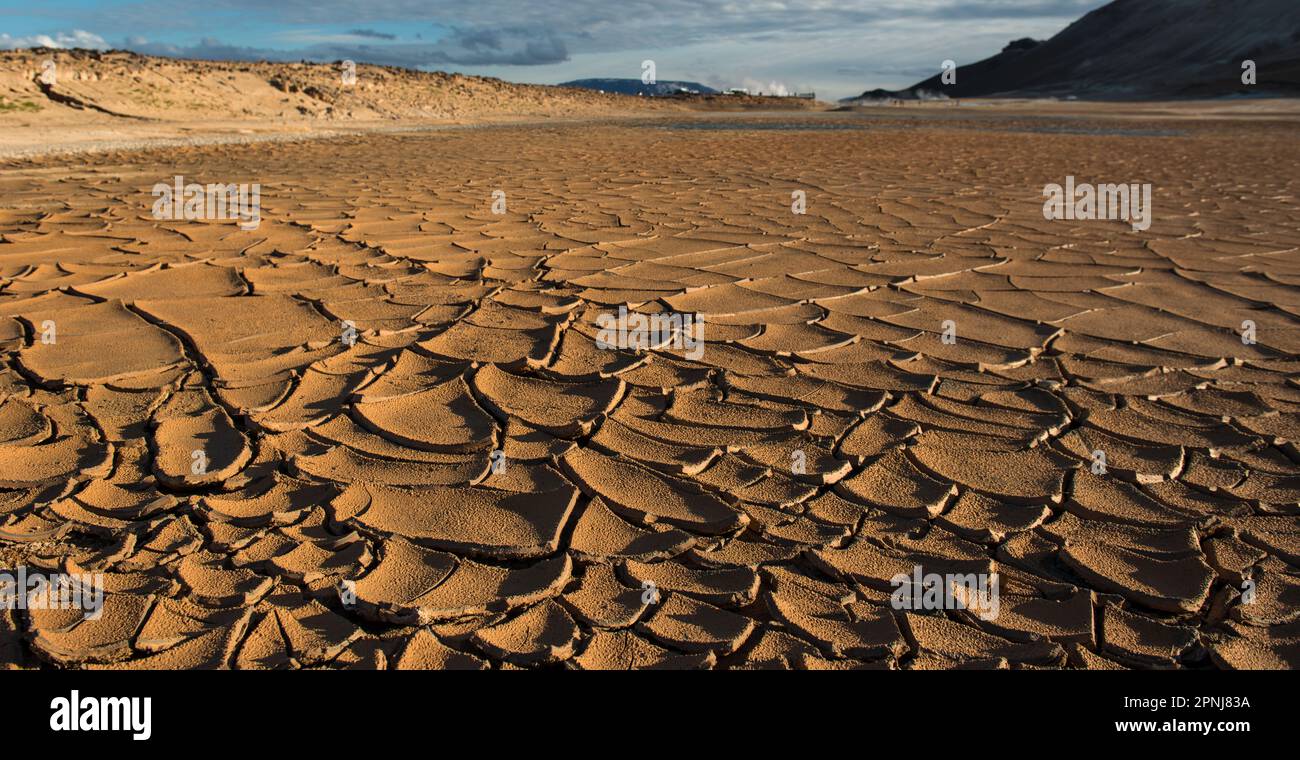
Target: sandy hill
59, 100
120, 84
1143, 49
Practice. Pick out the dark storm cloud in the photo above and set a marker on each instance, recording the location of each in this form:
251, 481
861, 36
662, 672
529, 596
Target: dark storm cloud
372, 34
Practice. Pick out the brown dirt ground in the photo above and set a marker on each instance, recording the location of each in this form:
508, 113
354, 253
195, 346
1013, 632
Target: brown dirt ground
370, 467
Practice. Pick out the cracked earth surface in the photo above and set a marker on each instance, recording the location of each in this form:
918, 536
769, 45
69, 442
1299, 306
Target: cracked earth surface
370, 466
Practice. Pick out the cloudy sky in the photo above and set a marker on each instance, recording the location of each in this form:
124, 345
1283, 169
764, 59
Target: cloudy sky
836, 47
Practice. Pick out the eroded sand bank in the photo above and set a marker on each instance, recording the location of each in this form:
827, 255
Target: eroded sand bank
915, 373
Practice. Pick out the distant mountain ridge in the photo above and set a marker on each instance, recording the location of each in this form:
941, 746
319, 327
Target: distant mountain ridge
637, 87
1140, 49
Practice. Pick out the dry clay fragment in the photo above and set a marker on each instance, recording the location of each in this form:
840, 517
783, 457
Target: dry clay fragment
1021, 618
686, 460
1275, 648
1276, 598
624, 650
543, 634
877, 567
443, 418
210, 651
867, 633
563, 409
465, 340
773, 649
283, 501
732, 587
314, 561
198, 450
71, 636
982, 518
210, 584
63, 458
20, 424
314, 632
97, 343
317, 396
600, 534
475, 520
1141, 640
412, 584
179, 282
405, 573
893, 483
257, 325
955, 641
341, 464
694, 626
265, 648
602, 601
424, 651
172, 622
1025, 477
647, 494
1170, 585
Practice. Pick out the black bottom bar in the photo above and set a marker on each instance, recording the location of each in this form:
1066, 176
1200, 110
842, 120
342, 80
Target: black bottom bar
234, 712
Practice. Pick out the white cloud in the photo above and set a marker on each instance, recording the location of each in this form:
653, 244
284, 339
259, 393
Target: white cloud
77, 38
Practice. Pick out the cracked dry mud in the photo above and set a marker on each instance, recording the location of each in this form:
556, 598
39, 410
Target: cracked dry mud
371, 465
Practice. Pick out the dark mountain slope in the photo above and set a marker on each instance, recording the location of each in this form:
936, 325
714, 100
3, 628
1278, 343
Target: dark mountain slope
1143, 49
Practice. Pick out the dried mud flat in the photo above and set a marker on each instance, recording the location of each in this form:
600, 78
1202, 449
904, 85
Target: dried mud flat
370, 467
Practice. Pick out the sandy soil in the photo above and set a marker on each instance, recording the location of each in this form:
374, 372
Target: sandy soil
476, 482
